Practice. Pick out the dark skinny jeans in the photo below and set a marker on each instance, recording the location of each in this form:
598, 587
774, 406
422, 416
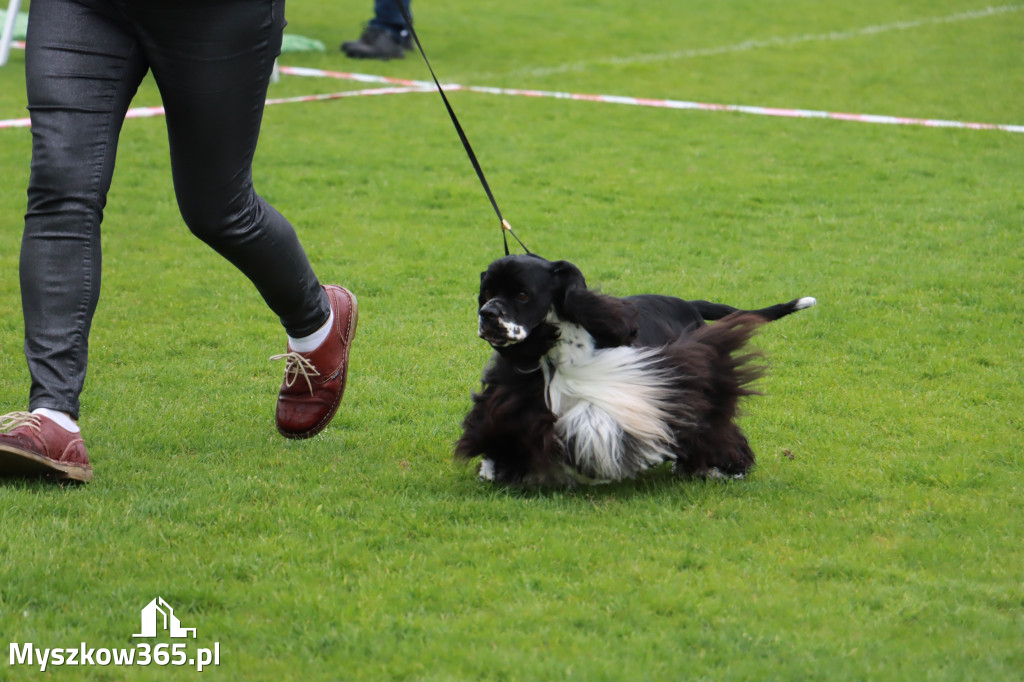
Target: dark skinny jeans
85, 59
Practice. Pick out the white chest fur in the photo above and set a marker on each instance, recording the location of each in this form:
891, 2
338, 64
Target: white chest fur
612, 405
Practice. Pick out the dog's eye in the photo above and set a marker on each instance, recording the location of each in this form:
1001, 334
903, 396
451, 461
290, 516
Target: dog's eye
522, 297
485, 295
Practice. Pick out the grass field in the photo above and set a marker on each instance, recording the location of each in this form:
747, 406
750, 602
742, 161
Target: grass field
881, 536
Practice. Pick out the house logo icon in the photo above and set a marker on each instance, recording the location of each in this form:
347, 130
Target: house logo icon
159, 612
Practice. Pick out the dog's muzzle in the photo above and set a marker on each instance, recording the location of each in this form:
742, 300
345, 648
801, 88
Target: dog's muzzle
496, 330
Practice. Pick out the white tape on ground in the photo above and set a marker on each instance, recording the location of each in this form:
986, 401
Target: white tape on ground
757, 111
673, 104
410, 86
148, 112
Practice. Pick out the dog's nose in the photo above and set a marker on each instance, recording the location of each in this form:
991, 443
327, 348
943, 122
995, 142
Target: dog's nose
489, 312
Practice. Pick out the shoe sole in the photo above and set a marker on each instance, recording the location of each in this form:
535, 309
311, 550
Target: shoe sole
15, 462
351, 336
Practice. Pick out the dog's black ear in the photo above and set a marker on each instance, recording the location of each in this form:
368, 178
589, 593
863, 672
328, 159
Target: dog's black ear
567, 283
567, 276
608, 319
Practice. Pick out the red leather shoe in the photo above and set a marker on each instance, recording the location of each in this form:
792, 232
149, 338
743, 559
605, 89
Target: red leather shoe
35, 445
314, 382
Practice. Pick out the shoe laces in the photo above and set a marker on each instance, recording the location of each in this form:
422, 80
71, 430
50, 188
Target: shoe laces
13, 420
296, 363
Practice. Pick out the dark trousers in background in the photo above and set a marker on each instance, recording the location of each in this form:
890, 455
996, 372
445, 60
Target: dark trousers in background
386, 15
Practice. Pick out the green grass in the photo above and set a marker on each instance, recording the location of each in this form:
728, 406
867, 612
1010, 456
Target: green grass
878, 539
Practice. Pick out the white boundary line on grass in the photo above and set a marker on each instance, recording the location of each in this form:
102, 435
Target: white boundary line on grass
756, 44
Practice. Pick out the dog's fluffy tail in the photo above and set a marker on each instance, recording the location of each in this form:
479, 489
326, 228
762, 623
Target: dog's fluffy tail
721, 373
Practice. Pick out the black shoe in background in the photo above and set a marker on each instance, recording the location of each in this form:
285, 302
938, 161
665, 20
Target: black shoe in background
375, 43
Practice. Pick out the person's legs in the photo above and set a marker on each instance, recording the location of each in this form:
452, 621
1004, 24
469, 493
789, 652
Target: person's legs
212, 64
83, 68
212, 61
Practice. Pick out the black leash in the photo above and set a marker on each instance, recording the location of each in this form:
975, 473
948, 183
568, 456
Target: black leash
506, 229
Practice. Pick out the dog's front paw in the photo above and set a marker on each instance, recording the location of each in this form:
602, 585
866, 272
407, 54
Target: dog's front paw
486, 471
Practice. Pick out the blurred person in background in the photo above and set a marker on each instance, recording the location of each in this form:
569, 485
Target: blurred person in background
386, 36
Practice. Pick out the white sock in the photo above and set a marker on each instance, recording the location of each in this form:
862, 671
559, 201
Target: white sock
313, 341
63, 419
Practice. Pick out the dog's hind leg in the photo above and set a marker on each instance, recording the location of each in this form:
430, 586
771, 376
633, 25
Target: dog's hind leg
721, 452
717, 447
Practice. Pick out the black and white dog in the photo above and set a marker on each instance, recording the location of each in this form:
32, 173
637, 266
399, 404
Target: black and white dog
586, 387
